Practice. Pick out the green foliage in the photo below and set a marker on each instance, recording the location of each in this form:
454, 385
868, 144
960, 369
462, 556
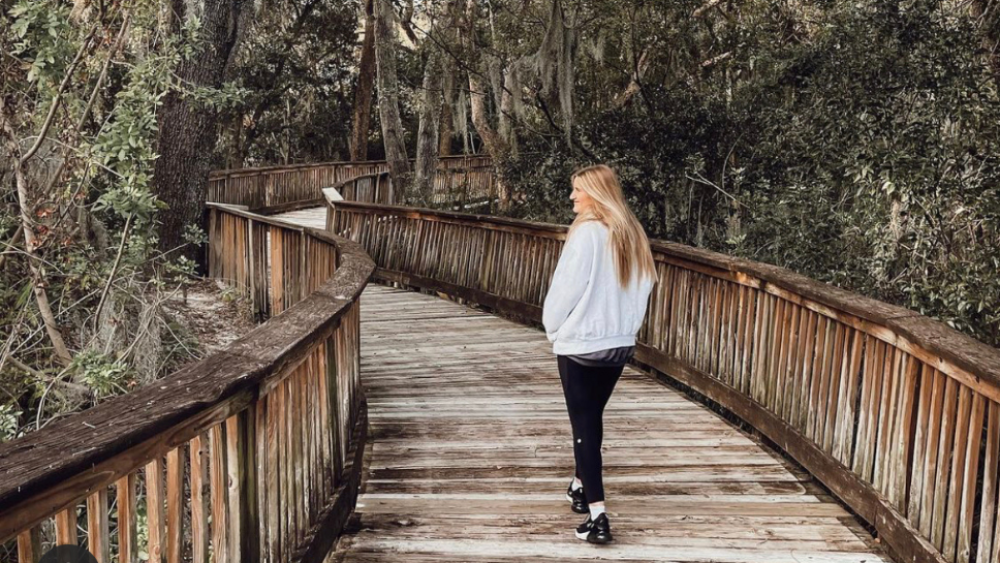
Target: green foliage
39, 29
9, 422
290, 100
852, 142
106, 376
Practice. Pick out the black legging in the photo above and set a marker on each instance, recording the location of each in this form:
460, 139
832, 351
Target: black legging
587, 390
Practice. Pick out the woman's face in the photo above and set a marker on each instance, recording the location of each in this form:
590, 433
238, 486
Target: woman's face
581, 200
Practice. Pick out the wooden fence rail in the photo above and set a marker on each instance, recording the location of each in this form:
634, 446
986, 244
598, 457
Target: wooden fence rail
276, 186
897, 414
250, 455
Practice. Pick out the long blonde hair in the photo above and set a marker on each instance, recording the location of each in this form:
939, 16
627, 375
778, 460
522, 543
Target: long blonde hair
629, 244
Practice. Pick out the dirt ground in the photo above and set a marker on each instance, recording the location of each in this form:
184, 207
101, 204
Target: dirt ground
214, 314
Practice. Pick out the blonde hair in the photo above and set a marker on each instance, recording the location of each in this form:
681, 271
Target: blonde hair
629, 244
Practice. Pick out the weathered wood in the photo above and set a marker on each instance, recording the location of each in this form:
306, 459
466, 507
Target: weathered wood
198, 456
848, 373
127, 536
318, 279
443, 470
98, 530
66, 526
263, 187
29, 546
154, 510
219, 494
175, 498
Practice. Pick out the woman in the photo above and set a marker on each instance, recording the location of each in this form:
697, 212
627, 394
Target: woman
592, 312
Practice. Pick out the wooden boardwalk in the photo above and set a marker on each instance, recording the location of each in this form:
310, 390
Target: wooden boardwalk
470, 455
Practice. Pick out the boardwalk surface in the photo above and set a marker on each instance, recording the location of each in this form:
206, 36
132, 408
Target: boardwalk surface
470, 456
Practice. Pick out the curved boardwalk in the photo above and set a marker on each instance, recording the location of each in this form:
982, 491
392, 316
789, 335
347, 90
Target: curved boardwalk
469, 458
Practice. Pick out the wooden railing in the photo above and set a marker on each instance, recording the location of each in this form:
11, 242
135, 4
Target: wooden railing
452, 187
252, 454
897, 414
275, 186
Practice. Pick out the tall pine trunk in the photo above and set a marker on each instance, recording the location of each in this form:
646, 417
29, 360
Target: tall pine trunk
188, 129
388, 98
366, 84
427, 132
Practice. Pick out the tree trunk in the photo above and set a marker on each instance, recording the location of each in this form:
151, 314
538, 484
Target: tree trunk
11, 152
366, 84
495, 144
447, 129
38, 272
188, 129
427, 132
388, 99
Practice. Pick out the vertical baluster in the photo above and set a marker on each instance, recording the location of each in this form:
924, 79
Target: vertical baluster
98, 535
175, 502
219, 491
273, 476
66, 526
956, 479
944, 458
29, 546
989, 539
966, 514
125, 490
260, 459
199, 455
154, 509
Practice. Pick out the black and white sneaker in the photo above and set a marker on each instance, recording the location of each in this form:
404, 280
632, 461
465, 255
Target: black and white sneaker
577, 500
583, 530
596, 531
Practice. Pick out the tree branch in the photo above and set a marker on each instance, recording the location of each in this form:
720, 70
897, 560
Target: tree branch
114, 271
58, 97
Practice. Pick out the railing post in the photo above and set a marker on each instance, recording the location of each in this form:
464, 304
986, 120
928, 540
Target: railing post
241, 467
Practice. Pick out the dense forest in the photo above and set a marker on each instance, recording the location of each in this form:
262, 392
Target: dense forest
854, 142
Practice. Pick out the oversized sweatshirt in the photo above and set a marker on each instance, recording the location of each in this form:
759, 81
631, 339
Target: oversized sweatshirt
586, 308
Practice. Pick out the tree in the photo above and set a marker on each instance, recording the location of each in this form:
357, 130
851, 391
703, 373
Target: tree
188, 121
388, 97
366, 84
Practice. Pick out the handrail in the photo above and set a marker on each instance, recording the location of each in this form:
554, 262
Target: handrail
266, 433
458, 158
452, 186
273, 186
897, 414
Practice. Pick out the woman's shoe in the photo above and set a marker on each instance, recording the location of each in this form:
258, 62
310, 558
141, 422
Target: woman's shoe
577, 500
600, 530
583, 530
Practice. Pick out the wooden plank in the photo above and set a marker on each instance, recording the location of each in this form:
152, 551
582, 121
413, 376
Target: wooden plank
219, 492
98, 529
66, 526
198, 455
175, 500
154, 510
29, 546
991, 475
128, 549
966, 515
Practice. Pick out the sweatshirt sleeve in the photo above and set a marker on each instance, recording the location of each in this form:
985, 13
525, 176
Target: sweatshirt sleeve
569, 280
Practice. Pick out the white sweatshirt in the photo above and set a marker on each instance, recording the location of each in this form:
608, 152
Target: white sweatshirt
586, 309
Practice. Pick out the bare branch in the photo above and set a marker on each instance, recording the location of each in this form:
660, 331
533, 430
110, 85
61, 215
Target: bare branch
700, 11
114, 271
